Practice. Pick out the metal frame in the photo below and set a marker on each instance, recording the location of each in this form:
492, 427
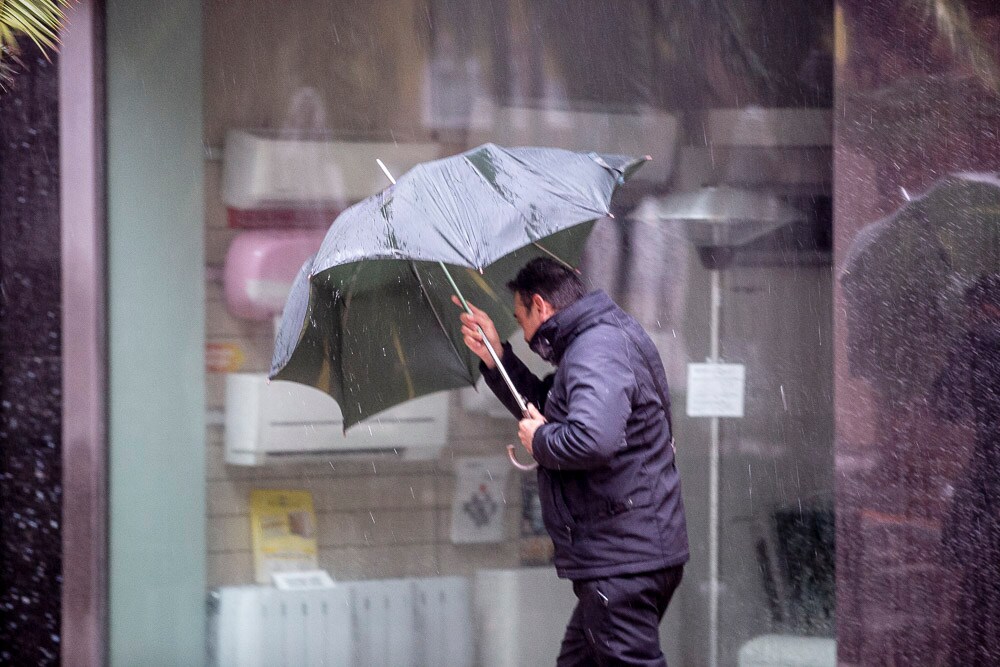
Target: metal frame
84, 335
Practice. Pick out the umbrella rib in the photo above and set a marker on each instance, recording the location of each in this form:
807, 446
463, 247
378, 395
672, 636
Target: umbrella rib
555, 256
437, 316
345, 307
340, 363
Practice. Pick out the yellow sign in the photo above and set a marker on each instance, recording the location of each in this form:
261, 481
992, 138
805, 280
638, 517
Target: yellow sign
283, 526
224, 357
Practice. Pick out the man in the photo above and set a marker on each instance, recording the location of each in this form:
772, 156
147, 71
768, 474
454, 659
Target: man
610, 492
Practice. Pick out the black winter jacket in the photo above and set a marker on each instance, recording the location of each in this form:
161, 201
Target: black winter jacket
610, 491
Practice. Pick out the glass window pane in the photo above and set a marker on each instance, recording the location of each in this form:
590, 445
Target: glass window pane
266, 121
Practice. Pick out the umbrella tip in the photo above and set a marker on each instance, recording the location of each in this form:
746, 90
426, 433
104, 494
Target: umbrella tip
385, 170
647, 157
611, 215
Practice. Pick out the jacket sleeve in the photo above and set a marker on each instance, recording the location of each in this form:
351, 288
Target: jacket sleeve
533, 389
600, 387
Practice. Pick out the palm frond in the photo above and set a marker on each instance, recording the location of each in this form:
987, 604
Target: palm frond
38, 20
952, 21
6, 69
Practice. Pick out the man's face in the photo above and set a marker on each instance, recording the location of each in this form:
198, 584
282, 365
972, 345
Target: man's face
528, 316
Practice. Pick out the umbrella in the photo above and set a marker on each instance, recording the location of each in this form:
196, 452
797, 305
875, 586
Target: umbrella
904, 278
369, 318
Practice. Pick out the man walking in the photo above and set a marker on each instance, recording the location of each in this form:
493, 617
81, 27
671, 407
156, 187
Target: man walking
599, 428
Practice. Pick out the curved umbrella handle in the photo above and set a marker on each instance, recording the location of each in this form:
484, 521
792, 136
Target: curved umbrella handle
517, 464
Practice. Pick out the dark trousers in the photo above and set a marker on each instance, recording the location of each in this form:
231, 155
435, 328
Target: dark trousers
617, 620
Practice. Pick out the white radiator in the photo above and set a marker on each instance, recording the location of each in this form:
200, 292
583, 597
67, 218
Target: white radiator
409, 622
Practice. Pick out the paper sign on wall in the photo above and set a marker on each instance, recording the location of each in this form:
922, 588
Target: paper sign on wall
478, 509
283, 527
715, 390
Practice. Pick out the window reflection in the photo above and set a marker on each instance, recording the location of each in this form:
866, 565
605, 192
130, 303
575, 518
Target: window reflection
917, 155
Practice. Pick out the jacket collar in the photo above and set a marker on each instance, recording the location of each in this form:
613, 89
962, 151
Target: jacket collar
556, 333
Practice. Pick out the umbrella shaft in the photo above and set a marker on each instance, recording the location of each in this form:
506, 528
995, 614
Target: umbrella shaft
486, 341
503, 371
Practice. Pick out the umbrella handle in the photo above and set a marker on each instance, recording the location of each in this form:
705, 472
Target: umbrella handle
517, 464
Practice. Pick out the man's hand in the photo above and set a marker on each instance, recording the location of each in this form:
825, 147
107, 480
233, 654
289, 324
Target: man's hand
526, 427
473, 339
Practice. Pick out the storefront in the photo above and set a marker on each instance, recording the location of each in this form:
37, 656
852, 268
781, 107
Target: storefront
825, 447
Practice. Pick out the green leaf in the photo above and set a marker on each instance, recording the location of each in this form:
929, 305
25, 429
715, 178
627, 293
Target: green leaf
38, 20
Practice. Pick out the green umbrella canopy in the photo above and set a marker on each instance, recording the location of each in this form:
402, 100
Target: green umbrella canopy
369, 319
905, 276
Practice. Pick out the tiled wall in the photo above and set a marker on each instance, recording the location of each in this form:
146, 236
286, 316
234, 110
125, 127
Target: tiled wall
30, 367
390, 519
376, 519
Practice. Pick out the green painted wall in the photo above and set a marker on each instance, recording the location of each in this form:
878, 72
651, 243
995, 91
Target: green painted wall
156, 333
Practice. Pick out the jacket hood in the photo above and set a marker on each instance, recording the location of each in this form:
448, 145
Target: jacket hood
556, 333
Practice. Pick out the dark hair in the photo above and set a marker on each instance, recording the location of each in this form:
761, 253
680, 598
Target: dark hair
554, 282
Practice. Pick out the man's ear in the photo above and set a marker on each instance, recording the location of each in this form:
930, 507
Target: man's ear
539, 304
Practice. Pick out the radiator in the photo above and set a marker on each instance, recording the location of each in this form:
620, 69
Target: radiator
410, 622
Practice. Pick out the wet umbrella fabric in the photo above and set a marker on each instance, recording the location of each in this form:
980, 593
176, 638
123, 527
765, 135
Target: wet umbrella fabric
369, 318
904, 279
